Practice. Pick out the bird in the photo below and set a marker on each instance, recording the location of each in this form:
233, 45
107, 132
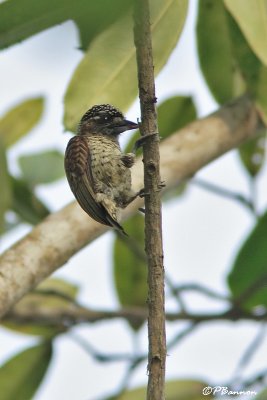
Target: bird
98, 172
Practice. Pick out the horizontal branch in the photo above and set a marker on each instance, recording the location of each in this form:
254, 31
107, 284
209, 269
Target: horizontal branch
74, 314
55, 240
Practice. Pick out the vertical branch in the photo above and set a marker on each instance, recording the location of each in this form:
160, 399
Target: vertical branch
153, 229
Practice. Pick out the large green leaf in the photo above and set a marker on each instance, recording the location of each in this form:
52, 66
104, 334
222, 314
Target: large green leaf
252, 154
5, 198
254, 73
130, 269
51, 296
262, 395
107, 73
228, 63
44, 167
215, 49
248, 276
19, 19
252, 20
21, 376
20, 120
175, 390
174, 113
26, 204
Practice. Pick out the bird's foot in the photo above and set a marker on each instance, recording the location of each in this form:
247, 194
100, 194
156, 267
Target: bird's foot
140, 142
142, 193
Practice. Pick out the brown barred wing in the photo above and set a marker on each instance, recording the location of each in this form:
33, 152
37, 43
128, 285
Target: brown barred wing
79, 175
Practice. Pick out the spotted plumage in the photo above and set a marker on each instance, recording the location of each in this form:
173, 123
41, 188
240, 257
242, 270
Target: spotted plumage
98, 172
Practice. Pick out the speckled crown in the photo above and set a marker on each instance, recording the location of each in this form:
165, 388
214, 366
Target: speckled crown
100, 110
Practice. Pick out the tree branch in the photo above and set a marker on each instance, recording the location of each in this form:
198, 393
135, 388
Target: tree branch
152, 183
54, 241
75, 314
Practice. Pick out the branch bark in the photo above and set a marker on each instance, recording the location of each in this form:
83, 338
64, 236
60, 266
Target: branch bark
152, 182
54, 241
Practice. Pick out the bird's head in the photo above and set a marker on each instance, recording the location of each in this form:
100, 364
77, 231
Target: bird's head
104, 119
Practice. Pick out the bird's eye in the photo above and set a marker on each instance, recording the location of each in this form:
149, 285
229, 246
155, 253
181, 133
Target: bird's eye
104, 117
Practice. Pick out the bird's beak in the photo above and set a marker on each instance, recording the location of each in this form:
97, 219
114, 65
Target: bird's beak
124, 125
130, 125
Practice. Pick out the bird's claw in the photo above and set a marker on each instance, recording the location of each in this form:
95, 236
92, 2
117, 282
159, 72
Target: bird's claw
142, 193
140, 142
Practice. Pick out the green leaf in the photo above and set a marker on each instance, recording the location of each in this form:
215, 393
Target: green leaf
214, 49
261, 93
174, 113
248, 276
59, 287
19, 19
44, 167
175, 390
130, 268
21, 376
262, 395
107, 73
230, 53
252, 20
252, 154
5, 198
93, 17
26, 204
253, 72
51, 296
20, 120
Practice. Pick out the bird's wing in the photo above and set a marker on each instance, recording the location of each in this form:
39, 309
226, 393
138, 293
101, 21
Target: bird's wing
79, 175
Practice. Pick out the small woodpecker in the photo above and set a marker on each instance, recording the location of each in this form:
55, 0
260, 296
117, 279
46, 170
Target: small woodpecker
97, 171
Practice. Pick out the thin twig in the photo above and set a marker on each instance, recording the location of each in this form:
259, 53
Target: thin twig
253, 195
187, 287
249, 353
175, 293
220, 191
260, 377
178, 337
72, 315
182, 334
97, 355
152, 183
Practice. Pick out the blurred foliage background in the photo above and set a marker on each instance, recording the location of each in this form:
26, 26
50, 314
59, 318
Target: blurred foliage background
232, 51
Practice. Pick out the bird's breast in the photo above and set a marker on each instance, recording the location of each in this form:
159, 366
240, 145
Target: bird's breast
106, 163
